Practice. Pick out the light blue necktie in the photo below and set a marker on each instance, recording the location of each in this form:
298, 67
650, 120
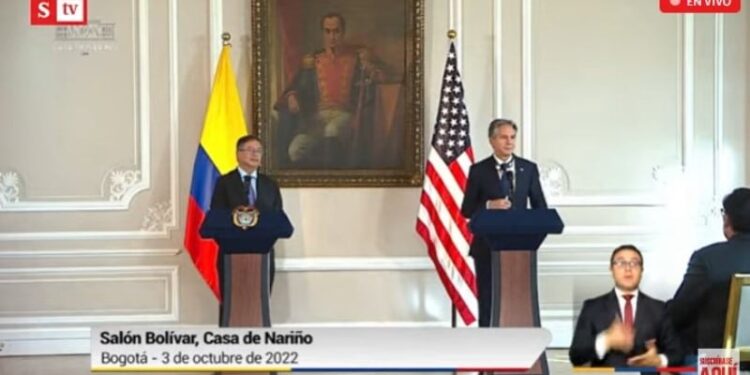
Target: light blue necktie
249, 189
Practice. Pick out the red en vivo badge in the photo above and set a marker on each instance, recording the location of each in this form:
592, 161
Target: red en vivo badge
700, 6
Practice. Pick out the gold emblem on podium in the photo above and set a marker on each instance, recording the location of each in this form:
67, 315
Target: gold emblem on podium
245, 217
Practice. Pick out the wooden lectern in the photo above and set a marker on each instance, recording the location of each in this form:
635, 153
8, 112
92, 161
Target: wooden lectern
244, 265
514, 236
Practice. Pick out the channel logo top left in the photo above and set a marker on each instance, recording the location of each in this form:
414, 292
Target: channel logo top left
59, 12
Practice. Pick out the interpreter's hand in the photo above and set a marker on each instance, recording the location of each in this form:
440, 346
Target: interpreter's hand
293, 103
499, 204
648, 359
619, 336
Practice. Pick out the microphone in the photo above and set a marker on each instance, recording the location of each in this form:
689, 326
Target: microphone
509, 176
506, 178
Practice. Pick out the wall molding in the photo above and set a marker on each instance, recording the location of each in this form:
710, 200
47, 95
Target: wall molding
167, 274
610, 230
163, 231
45, 341
348, 264
719, 184
87, 253
174, 119
614, 200
687, 114
119, 186
215, 30
497, 58
688, 92
401, 264
89, 235
455, 22
526, 80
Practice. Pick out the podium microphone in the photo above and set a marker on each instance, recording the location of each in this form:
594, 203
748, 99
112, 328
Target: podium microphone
509, 176
506, 174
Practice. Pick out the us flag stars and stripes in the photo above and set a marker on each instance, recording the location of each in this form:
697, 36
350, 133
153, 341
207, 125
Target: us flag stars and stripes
439, 220
451, 137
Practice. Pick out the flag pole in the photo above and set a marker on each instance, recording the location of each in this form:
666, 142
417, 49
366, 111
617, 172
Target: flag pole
446, 169
223, 124
452, 34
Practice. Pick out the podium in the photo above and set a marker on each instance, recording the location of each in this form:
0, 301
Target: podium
514, 236
244, 264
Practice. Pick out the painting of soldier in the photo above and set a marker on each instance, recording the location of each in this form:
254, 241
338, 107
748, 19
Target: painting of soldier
338, 78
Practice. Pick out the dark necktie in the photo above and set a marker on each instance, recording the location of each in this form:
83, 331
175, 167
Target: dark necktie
247, 182
505, 182
628, 318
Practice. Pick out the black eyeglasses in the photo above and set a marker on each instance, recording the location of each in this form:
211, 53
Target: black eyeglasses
622, 263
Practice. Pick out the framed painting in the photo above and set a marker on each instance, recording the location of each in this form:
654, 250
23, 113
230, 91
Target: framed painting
337, 91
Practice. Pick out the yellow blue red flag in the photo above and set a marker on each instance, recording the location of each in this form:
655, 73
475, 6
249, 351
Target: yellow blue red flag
223, 125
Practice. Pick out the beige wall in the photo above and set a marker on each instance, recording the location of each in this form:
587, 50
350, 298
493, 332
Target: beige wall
638, 119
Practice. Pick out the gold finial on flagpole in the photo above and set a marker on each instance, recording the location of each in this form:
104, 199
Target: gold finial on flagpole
225, 37
452, 34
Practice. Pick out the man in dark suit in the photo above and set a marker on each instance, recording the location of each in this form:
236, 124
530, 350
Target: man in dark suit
245, 186
699, 306
501, 181
625, 327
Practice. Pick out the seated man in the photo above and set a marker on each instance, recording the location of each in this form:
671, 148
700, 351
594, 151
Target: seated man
699, 307
624, 327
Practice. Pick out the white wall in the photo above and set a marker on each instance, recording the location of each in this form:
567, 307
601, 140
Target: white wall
639, 120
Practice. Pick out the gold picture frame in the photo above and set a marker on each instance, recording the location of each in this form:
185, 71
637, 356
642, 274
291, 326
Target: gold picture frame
738, 306
338, 91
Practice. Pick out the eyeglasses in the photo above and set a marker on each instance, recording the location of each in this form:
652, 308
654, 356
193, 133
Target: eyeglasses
253, 151
622, 263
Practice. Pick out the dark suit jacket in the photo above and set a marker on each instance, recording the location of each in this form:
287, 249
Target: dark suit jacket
651, 322
699, 307
484, 184
230, 193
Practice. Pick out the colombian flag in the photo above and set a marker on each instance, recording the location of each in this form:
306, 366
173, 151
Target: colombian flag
223, 125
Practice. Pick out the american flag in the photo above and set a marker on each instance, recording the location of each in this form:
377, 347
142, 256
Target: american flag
439, 222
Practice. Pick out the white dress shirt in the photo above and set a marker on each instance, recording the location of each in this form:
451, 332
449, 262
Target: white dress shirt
501, 174
509, 160
253, 180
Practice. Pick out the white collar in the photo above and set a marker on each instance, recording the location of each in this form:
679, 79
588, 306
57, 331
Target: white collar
254, 174
620, 293
499, 161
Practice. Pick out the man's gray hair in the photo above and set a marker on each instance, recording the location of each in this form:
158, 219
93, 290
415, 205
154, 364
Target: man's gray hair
498, 122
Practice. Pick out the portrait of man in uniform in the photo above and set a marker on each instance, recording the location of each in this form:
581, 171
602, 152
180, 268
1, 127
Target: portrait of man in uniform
329, 102
338, 78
